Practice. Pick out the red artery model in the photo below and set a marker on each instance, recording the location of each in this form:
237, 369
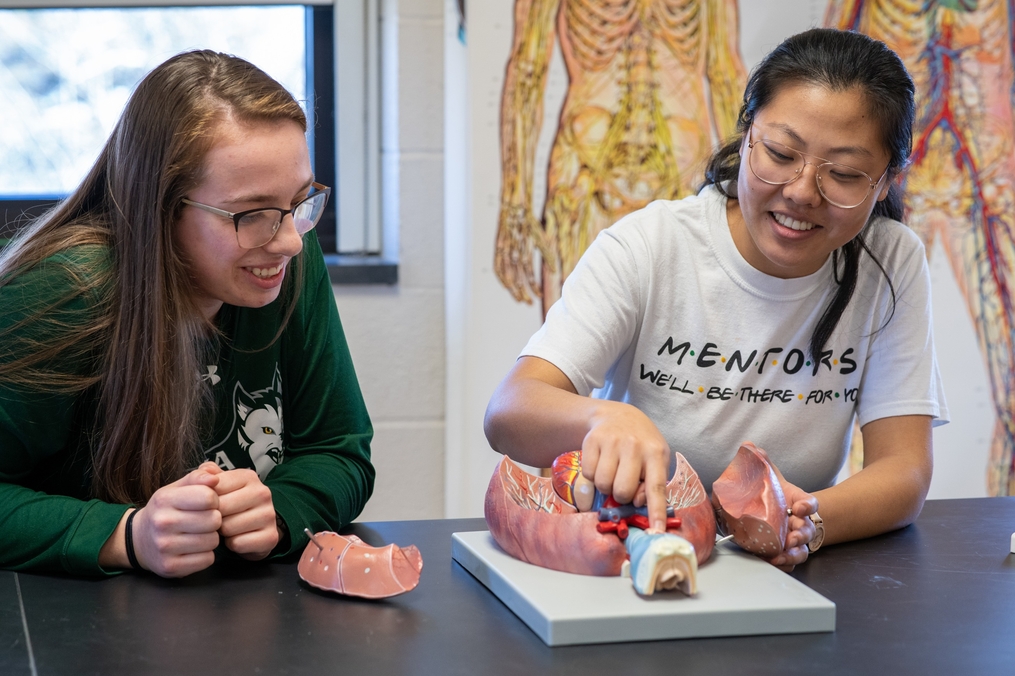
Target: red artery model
617, 518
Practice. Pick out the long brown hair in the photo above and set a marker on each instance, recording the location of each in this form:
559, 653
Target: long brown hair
148, 336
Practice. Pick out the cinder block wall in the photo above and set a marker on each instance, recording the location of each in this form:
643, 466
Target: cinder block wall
396, 334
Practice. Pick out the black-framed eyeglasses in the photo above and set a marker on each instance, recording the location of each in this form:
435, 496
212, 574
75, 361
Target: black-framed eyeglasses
841, 185
257, 227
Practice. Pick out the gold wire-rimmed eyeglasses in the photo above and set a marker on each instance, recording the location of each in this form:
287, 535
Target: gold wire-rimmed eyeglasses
840, 184
257, 227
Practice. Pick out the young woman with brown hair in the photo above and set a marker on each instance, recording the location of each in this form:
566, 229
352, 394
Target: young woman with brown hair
174, 375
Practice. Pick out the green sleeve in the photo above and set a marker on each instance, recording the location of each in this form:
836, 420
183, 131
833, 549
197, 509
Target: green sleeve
54, 532
326, 477
46, 520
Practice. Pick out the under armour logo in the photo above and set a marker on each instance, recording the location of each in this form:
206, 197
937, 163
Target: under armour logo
211, 375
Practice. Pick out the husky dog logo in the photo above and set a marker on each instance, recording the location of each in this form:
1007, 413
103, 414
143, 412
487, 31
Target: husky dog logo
257, 419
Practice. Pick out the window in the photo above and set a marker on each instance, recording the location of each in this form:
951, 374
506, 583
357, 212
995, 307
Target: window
67, 69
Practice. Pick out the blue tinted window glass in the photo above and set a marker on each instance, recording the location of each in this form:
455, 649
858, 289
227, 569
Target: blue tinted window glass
65, 75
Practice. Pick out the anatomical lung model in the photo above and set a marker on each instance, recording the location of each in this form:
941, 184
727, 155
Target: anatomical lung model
749, 503
347, 565
563, 523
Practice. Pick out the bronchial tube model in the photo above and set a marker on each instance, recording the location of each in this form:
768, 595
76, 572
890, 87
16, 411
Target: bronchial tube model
652, 85
959, 188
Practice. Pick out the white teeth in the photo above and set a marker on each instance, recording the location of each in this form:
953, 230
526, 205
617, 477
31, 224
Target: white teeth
792, 223
265, 273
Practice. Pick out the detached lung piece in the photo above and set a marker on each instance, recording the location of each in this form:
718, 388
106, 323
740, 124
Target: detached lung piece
749, 503
347, 565
532, 523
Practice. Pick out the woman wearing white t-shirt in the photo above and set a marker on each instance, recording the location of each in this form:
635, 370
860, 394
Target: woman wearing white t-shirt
779, 304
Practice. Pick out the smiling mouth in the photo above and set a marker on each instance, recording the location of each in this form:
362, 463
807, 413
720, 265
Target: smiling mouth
266, 273
792, 223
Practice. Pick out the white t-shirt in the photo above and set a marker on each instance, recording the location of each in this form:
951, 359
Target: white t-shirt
664, 313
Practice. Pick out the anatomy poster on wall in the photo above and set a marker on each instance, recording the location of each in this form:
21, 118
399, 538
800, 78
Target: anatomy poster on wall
580, 111
958, 189
651, 88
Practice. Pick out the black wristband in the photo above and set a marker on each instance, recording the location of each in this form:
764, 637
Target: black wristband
128, 541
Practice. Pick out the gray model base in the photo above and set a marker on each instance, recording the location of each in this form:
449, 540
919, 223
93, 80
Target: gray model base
738, 594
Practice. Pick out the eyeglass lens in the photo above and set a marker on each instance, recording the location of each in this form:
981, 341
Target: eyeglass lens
841, 185
256, 228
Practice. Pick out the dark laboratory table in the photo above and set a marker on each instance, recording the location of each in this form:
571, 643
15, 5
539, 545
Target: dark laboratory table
937, 597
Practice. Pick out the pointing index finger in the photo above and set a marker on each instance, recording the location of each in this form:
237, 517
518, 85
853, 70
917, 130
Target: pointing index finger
655, 494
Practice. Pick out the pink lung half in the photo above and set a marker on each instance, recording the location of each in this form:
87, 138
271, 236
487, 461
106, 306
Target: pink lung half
347, 565
529, 521
749, 499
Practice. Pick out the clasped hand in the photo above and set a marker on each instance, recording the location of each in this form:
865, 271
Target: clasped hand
176, 533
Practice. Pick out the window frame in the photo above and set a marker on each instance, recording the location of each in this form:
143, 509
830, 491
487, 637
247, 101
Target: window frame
342, 55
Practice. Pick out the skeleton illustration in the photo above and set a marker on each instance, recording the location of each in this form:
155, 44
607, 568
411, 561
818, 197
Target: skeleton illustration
653, 85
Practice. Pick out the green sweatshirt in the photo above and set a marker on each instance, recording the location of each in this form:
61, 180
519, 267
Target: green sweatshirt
292, 411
